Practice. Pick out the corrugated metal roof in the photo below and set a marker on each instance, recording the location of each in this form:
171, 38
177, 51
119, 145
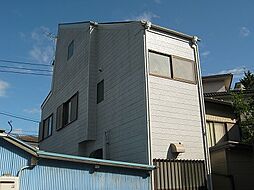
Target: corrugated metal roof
56, 156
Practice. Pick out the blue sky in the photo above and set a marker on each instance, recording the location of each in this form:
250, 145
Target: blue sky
226, 29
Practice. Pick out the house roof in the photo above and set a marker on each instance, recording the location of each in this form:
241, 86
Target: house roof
143, 22
227, 78
217, 101
228, 93
226, 75
64, 157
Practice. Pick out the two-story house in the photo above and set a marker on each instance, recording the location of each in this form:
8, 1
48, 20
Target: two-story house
128, 91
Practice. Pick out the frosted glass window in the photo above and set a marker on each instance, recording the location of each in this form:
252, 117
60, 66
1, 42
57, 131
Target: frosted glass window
183, 69
159, 64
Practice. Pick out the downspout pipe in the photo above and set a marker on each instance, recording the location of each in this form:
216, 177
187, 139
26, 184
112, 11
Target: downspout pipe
33, 163
22, 169
202, 112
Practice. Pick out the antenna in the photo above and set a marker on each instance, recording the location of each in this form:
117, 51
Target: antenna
50, 35
9, 122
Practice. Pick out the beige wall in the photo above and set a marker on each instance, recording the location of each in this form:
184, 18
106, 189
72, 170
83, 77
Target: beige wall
214, 86
174, 105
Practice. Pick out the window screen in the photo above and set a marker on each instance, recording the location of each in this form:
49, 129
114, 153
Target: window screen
100, 91
183, 69
159, 64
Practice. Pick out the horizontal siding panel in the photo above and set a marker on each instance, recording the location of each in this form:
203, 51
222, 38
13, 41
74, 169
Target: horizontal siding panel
174, 105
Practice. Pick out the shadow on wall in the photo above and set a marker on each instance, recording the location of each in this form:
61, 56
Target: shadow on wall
170, 154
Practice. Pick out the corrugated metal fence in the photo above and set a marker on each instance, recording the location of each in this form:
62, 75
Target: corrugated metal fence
179, 174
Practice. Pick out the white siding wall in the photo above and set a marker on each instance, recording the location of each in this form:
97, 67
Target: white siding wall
69, 77
118, 50
120, 54
174, 106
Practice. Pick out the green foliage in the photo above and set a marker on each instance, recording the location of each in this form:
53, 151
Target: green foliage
248, 80
244, 109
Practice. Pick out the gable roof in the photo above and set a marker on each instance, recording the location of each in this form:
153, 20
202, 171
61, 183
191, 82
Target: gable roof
227, 78
64, 157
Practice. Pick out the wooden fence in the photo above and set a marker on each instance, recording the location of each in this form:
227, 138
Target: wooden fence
179, 174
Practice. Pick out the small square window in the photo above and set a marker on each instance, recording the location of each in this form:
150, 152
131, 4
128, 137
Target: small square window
70, 50
100, 91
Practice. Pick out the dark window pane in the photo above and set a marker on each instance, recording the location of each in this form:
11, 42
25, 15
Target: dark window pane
50, 120
45, 128
159, 64
74, 107
70, 50
100, 91
66, 112
41, 131
59, 117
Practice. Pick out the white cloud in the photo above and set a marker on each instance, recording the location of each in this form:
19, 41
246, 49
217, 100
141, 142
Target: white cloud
205, 53
3, 87
42, 54
244, 31
147, 15
32, 110
43, 46
237, 72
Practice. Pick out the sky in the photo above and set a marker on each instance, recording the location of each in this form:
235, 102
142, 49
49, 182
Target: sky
28, 30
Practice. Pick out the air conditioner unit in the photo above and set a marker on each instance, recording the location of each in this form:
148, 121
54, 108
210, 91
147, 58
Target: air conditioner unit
9, 183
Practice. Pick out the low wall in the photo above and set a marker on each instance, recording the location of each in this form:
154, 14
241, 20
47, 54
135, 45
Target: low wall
232, 166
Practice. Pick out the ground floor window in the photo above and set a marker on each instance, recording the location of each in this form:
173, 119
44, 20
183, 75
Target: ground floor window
216, 132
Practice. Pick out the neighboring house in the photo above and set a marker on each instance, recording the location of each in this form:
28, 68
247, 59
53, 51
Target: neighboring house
23, 167
29, 139
128, 91
232, 163
220, 117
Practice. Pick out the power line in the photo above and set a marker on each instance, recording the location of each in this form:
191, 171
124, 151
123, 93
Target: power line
19, 117
22, 62
25, 73
27, 69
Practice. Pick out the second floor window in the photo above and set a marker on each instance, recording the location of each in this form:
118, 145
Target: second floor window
171, 66
70, 50
47, 126
67, 112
